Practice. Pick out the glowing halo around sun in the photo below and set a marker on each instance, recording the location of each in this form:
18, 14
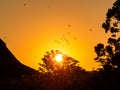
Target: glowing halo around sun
59, 57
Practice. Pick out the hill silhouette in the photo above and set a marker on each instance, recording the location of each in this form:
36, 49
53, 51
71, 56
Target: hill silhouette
11, 70
16, 76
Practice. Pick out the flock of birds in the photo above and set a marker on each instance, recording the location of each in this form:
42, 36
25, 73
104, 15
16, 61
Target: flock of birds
64, 39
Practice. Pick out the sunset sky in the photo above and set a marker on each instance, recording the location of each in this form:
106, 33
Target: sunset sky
32, 27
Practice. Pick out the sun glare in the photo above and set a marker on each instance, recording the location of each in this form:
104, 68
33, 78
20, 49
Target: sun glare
59, 57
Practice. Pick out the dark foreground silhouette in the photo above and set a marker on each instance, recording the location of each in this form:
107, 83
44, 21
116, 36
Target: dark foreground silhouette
11, 70
16, 76
68, 76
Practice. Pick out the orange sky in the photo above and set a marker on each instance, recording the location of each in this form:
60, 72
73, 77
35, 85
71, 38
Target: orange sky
32, 27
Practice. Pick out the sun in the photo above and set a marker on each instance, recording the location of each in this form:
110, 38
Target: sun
59, 57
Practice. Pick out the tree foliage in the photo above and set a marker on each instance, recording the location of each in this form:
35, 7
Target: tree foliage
113, 19
51, 65
64, 75
109, 56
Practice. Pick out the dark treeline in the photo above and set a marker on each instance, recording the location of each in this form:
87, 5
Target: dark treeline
72, 77
67, 75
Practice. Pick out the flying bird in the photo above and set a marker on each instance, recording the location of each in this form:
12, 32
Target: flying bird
90, 29
25, 4
67, 43
75, 38
68, 32
69, 25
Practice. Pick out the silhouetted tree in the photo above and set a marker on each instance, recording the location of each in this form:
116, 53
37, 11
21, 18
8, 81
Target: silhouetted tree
51, 65
109, 56
64, 75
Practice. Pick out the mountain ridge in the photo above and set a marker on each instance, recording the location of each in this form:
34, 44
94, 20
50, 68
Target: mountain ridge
10, 66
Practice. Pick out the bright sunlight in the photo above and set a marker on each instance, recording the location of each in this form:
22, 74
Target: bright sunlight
59, 57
